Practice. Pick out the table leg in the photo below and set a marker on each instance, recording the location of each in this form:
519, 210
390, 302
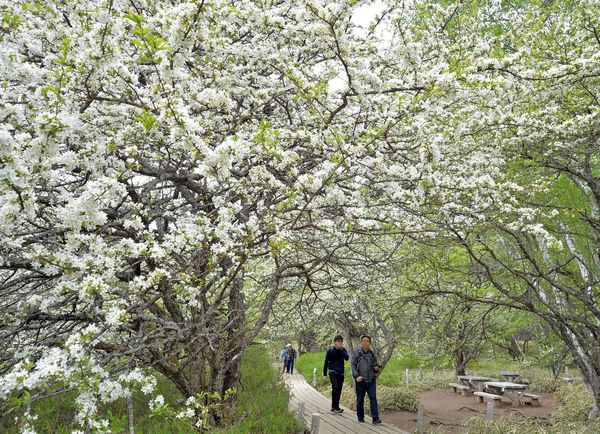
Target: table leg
514, 397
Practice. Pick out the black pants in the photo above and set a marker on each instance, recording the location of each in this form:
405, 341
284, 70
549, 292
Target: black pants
363, 388
337, 381
289, 366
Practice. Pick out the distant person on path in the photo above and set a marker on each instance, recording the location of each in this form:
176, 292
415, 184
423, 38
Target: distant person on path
365, 370
282, 357
290, 356
334, 366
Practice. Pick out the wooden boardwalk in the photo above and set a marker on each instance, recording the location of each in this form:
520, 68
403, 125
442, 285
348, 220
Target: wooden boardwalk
315, 402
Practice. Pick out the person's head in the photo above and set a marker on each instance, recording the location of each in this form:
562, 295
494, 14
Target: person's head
365, 342
338, 341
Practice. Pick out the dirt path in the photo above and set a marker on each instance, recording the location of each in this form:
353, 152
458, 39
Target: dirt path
446, 410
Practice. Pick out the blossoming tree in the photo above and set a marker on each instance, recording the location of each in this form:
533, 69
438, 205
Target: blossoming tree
158, 159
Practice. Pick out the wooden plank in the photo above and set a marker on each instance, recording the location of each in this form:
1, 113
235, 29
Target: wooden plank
347, 420
315, 402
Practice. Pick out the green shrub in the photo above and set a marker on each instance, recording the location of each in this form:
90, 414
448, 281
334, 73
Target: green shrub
506, 425
388, 398
262, 399
580, 427
434, 380
576, 403
570, 417
348, 397
308, 361
528, 425
545, 383
398, 398
269, 414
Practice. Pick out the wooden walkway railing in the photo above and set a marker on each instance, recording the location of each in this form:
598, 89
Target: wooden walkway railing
313, 402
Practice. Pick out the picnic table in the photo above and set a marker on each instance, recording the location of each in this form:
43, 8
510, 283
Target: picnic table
510, 376
474, 382
506, 388
572, 379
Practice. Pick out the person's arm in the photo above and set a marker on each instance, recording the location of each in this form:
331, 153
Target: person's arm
345, 354
354, 365
326, 365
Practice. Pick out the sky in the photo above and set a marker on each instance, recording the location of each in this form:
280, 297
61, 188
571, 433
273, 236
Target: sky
363, 16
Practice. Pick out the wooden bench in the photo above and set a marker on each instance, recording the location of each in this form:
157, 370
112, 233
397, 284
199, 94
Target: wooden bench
489, 396
463, 389
530, 398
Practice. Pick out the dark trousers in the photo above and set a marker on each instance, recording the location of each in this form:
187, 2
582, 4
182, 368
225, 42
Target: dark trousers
337, 381
289, 366
370, 389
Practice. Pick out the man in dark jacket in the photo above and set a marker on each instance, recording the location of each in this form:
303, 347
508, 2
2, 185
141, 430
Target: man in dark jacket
334, 366
365, 370
290, 357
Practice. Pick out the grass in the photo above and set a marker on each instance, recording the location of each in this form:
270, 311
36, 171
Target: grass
263, 399
392, 374
269, 415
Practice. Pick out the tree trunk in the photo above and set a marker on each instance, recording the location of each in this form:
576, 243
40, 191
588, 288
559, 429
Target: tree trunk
227, 374
460, 363
583, 346
557, 368
514, 349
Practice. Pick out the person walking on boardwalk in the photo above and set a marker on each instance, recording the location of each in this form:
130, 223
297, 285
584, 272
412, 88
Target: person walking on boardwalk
365, 370
290, 356
282, 357
334, 367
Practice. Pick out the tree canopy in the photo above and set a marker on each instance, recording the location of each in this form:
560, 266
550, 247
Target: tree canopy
169, 169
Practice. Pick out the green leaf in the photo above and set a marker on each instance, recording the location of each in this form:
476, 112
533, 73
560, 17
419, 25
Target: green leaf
148, 120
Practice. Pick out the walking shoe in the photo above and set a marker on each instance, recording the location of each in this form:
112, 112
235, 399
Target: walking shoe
376, 421
361, 420
337, 410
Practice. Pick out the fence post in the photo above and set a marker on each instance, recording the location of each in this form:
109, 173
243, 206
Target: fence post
532, 374
130, 413
314, 426
314, 382
301, 415
420, 416
420, 373
490, 410
407, 376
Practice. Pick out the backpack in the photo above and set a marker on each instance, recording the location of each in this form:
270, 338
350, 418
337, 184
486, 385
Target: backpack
361, 354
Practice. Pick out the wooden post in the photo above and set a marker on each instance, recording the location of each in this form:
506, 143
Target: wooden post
314, 382
130, 413
420, 416
407, 376
490, 410
314, 426
532, 374
420, 373
301, 415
